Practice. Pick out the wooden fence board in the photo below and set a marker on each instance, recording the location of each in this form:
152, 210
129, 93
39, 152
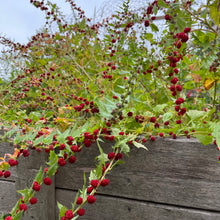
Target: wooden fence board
180, 171
108, 208
7, 196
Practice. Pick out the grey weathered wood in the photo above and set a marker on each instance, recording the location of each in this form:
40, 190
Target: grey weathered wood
108, 208
181, 171
7, 196
26, 172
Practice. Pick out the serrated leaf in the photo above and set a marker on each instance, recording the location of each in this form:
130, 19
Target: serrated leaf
139, 145
195, 114
38, 140
15, 208
74, 203
204, 139
154, 28
216, 133
48, 139
167, 116
159, 108
53, 163
92, 175
62, 209
39, 176
215, 14
18, 215
25, 193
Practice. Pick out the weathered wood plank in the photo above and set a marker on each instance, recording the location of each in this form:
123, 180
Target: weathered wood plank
7, 196
26, 172
180, 171
107, 208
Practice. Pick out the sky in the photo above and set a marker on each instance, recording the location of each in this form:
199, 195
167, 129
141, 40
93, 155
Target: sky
19, 19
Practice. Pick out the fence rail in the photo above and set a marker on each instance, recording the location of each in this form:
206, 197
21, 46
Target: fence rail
175, 179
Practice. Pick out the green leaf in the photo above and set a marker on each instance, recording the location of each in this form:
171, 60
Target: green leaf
180, 22
15, 208
167, 116
38, 140
195, 114
18, 215
149, 36
155, 9
92, 175
48, 140
102, 157
139, 145
62, 209
25, 193
154, 28
215, 14
204, 139
216, 133
162, 4
74, 203
39, 176
159, 108
53, 164
35, 116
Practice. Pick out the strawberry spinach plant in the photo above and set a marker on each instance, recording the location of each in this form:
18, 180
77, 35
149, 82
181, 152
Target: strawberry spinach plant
77, 84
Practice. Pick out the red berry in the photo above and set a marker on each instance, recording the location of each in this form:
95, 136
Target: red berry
146, 23
62, 146
72, 159
144, 140
1, 173
47, 181
23, 207
176, 70
178, 121
111, 155
130, 114
79, 201
25, 153
174, 136
161, 134
8, 218
69, 214
87, 142
33, 200
152, 138
81, 212
90, 189
12, 162
7, 174
214, 142
153, 119
36, 186
104, 182
187, 30
61, 162
94, 183
75, 148
91, 199
166, 123
118, 156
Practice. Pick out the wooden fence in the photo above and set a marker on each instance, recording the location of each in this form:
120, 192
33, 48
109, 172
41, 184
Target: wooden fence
175, 180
